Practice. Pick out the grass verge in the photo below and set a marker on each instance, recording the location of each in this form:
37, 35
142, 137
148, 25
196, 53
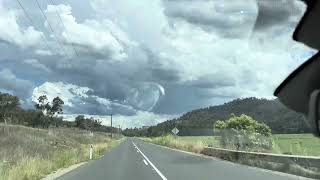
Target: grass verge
291, 144
175, 142
28, 153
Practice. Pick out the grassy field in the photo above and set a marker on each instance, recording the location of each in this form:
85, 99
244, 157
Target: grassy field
295, 144
28, 153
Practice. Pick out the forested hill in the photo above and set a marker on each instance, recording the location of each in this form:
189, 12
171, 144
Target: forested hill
200, 122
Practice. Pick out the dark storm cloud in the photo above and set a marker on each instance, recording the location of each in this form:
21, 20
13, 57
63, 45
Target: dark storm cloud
222, 16
90, 105
169, 58
10, 82
155, 69
206, 82
228, 19
274, 13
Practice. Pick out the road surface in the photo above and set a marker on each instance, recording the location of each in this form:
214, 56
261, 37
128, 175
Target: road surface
136, 160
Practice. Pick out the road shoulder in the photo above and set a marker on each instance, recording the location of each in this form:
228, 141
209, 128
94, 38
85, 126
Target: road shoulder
232, 163
63, 171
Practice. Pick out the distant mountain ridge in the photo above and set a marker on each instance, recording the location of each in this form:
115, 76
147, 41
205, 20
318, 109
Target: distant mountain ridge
200, 121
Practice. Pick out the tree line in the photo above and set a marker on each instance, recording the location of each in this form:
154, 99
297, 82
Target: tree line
44, 115
200, 122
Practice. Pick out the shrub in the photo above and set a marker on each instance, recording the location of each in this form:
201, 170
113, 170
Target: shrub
244, 133
174, 142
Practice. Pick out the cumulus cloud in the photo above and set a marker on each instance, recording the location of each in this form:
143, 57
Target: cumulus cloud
79, 99
279, 13
11, 32
91, 37
67, 92
76, 97
237, 16
152, 58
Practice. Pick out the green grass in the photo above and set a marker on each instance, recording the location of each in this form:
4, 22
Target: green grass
28, 153
295, 144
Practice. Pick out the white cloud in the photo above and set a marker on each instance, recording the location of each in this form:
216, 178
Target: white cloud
201, 52
67, 92
43, 52
144, 97
103, 101
204, 57
143, 20
141, 118
12, 32
90, 36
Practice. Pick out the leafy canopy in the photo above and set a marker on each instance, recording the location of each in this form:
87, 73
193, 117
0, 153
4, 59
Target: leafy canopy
56, 106
243, 132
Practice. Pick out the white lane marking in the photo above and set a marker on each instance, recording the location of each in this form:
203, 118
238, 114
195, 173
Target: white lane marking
145, 162
153, 166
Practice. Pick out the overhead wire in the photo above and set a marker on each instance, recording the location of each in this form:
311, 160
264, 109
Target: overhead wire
63, 25
34, 25
51, 29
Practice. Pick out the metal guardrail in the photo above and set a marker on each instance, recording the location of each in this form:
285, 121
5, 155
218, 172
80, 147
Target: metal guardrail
233, 155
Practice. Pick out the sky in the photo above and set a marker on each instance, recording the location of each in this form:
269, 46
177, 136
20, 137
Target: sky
146, 61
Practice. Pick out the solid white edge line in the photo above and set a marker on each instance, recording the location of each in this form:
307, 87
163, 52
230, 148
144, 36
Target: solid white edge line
153, 166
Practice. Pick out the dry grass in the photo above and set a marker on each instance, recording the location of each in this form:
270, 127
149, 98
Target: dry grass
28, 153
174, 142
292, 144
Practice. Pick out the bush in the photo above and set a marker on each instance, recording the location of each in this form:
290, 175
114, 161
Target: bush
175, 142
244, 133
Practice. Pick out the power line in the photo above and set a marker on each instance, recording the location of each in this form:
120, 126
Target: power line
61, 21
50, 27
33, 24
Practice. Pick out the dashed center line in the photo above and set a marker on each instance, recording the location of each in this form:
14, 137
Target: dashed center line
145, 162
151, 164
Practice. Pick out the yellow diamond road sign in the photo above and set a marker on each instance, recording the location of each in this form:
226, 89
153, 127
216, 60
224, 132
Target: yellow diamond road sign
175, 131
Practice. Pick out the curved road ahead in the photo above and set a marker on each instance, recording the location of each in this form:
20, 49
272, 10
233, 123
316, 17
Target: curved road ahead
136, 160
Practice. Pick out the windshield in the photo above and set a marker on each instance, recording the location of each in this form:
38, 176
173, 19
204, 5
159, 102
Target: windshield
129, 88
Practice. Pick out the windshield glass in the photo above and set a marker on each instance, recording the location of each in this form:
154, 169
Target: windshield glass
82, 79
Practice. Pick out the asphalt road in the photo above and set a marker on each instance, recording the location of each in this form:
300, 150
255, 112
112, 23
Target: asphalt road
136, 160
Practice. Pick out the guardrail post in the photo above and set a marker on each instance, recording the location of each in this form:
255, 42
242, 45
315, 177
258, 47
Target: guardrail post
90, 151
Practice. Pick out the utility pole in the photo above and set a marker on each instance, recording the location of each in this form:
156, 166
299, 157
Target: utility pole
111, 126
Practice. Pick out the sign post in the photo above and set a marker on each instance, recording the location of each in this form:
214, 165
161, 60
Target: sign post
175, 131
